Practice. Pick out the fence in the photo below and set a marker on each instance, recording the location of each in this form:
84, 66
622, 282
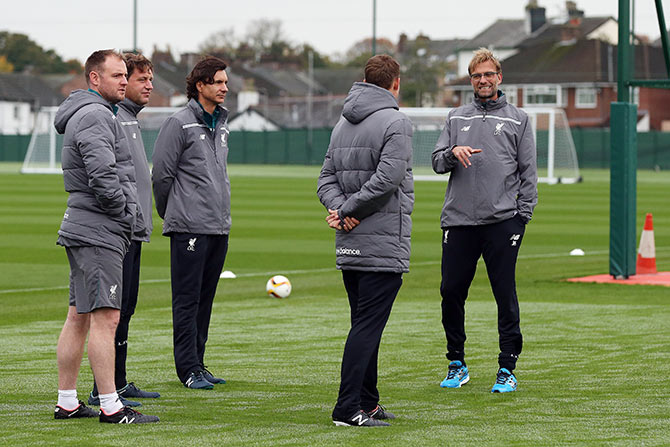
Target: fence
292, 146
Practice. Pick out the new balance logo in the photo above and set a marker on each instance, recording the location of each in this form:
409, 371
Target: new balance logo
465, 128
359, 419
125, 420
498, 130
446, 236
191, 244
515, 238
348, 251
134, 136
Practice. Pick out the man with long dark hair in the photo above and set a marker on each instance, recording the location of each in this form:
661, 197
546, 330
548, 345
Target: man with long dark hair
192, 193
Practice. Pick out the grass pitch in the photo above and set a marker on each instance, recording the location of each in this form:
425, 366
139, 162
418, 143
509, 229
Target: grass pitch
594, 370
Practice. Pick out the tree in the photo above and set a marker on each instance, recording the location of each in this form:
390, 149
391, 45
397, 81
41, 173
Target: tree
361, 51
26, 55
5, 67
222, 42
421, 72
262, 33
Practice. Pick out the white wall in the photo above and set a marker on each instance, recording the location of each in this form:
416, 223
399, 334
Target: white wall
250, 120
15, 118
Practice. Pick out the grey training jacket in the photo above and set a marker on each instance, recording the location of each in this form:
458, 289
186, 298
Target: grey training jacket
190, 177
98, 174
127, 117
367, 174
502, 180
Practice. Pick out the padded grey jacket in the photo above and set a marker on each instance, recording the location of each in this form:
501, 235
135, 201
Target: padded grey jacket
502, 180
367, 174
98, 174
127, 117
190, 177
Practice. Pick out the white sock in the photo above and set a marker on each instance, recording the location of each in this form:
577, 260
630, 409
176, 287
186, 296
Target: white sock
110, 403
67, 399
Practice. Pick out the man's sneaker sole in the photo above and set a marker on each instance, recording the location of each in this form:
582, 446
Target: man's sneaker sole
460, 384
378, 424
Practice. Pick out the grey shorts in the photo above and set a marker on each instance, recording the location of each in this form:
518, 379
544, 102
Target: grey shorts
96, 275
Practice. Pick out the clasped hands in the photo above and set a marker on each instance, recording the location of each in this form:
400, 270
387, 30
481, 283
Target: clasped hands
346, 224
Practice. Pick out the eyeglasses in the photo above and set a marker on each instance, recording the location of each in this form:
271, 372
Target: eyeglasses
489, 75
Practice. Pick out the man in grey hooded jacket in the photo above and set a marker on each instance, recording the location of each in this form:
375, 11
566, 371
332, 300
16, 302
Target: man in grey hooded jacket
366, 184
97, 226
138, 91
487, 146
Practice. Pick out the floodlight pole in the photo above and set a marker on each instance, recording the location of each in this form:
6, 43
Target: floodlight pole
134, 26
374, 27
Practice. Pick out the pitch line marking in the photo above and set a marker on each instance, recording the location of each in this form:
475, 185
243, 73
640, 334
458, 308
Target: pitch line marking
305, 271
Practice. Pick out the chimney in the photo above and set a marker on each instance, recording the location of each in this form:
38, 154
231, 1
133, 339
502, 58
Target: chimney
535, 16
575, 15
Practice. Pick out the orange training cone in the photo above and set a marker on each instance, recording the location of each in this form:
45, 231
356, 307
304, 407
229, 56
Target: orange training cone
646, 255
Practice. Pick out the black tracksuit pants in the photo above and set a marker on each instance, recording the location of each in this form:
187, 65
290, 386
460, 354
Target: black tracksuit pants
461, 248
196, 261
371, 296
129, 292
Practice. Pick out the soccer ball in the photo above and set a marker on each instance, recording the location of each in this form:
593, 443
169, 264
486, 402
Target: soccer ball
278, 286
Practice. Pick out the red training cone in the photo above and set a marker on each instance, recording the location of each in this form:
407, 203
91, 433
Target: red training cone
646, 255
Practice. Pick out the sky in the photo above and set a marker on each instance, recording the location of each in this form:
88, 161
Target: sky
76, 28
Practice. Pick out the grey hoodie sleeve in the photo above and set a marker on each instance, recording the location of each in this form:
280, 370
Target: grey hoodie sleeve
392, 167
167, 151
442, 157
96, 146
527, 159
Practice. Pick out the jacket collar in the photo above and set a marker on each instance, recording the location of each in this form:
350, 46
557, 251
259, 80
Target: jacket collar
131, 106
199, 113
491, 104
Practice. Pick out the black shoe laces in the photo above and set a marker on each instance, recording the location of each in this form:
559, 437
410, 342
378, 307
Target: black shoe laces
502, 378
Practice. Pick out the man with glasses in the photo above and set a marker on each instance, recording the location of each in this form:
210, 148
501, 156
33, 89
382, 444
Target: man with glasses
488, 148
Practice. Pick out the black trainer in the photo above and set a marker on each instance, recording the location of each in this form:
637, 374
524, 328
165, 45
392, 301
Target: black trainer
131, 390
380, 413
360, 419
127, 415
197, 381
210, 377
95, 400
82, 411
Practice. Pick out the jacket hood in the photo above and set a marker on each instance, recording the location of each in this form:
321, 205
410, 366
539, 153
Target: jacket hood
365, 99
131, 106
74, 102
491, 104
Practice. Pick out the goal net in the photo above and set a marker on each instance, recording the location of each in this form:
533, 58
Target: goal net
44, 150
556, 155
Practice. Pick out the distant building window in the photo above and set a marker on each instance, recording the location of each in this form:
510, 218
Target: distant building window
511, 93
542, 95
17, 112
586, 97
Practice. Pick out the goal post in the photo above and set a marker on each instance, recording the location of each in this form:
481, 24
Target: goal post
556, 155
43, 154
44, 150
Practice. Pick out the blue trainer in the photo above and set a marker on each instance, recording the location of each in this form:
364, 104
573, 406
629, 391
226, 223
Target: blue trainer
505, 382
458, 375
